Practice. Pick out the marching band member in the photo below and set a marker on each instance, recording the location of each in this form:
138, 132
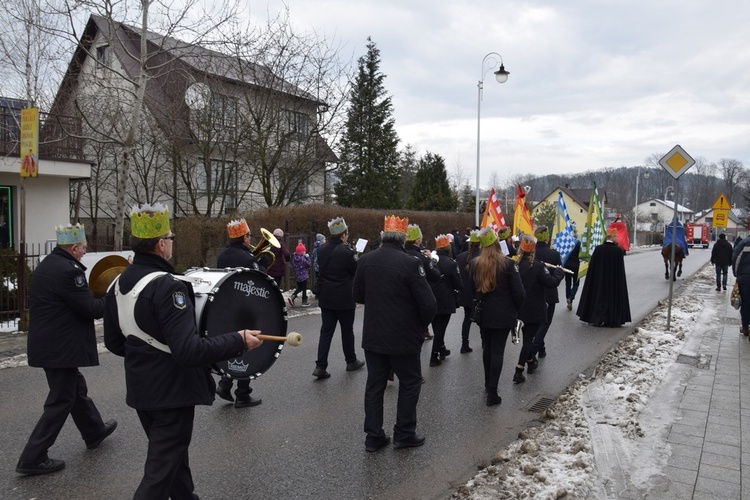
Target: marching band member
149, 319
237, 253
62, 310
547, 254
399, 305
445, 294
413, 247
338, 264
467, 294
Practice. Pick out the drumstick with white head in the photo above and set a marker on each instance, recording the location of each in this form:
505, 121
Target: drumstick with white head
293, 339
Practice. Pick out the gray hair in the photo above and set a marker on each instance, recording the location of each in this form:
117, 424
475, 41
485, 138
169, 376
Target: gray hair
393, 237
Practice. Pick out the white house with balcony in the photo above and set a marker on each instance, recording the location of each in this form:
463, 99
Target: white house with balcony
654, 213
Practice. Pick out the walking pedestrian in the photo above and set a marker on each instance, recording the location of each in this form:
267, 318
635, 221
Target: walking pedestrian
301, 265
445, 291
467, 293
721, 257
548, 255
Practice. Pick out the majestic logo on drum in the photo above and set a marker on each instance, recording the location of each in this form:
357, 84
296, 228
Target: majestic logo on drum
236, 365
250, 288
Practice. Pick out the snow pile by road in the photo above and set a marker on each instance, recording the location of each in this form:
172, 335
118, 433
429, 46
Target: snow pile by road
597, 422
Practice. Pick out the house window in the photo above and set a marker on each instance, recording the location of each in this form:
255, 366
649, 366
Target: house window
218, 182
298, 122
224, 115
6, 217
102, 56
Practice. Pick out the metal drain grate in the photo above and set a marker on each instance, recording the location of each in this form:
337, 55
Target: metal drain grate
687, 360
703, 362
542, 404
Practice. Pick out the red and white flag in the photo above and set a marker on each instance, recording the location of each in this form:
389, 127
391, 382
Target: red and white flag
493, 214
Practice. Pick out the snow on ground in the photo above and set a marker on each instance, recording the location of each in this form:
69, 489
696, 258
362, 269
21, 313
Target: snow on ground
596, 427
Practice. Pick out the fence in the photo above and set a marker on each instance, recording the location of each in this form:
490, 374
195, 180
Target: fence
15, 273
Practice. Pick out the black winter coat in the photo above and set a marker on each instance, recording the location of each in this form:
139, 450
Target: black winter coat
721, 253
432, 272
500, 307
338, 263
467, 292
536, 279
157, 380
236, 255
450, 282
547, 254
399, 303
62, 310
574, 261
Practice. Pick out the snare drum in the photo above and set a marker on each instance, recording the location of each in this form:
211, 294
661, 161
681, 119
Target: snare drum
228, 300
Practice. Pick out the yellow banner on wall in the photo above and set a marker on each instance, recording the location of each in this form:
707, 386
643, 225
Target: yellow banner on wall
29, 142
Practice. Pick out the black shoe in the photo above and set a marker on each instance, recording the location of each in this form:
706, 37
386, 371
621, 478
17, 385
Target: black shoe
718, 288
435, 359
224, 392
411, 442
355, 365
444, 353
518, 378
542, 353
375, 444
466, 348
321, 373
248, 401
570, 305
725, 288
531, 366
109, 428
49, 465
493, 399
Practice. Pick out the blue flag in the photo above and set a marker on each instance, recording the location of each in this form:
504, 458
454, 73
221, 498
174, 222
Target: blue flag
564, 241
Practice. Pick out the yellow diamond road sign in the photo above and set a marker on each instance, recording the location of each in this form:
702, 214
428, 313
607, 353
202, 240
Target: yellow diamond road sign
676, 162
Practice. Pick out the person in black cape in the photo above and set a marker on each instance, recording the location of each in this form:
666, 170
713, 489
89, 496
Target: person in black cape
604, 300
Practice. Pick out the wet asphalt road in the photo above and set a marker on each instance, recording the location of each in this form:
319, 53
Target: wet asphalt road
306, 439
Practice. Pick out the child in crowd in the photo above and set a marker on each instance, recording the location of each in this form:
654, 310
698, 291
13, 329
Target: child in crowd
301, 264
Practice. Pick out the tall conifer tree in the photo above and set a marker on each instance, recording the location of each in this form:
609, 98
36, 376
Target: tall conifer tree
369, 174
432, 191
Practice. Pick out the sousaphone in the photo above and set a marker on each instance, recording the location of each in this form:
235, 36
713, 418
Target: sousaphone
104, 272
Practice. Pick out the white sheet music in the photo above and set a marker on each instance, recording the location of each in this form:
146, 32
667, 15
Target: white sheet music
361, 245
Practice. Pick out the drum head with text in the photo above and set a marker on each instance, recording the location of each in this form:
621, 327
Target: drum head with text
246, 299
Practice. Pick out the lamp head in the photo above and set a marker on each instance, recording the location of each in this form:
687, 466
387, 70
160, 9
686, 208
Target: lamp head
501, 75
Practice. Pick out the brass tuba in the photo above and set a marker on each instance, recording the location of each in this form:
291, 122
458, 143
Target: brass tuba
104, 272
262, 250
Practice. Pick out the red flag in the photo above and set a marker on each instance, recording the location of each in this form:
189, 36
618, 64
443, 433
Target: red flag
522, 219
493, 214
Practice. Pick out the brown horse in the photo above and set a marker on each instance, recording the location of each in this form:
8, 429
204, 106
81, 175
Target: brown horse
679, 254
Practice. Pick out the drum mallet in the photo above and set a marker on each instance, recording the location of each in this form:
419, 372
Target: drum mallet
293, 339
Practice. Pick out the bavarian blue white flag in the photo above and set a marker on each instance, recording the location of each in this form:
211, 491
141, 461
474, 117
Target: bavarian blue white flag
564, 241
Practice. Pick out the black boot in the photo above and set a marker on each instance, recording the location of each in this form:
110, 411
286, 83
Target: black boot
444, 353
435, 359
518, 378
531, 365
465, 348
492, 397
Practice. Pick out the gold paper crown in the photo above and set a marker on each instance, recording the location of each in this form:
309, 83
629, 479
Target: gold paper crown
442, 241
541, 233
474, 236
237, 228
611, 231
487, 237
528, 243
396, 224
337, 226
503, 233
70, 234
149, 221
413, 233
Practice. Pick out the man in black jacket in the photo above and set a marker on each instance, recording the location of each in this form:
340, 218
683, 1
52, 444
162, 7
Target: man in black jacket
549, 255
62, 310
338, 263
721, 257
399, 305
149, 319
237, 254
413, 247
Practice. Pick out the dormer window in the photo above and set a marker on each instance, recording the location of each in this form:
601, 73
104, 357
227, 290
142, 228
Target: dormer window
102, 56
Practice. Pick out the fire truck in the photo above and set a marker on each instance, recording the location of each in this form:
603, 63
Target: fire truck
697, 234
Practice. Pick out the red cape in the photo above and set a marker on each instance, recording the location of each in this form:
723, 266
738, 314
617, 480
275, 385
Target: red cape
622, 234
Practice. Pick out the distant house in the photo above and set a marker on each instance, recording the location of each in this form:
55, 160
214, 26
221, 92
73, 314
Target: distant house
576, 202
660, 212
47, 197
736, 223
218, 134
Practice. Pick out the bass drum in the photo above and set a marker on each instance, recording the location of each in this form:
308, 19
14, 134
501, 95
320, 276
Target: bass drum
228, 300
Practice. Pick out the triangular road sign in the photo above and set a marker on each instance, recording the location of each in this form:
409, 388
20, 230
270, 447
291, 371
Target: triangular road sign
721, 203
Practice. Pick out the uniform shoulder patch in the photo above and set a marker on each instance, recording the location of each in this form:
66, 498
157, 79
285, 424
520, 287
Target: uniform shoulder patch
178, 299
80, 281
420, 270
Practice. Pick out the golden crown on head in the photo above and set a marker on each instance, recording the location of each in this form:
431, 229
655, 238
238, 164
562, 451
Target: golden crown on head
70, 234
541, 233
237, 228
149, 221
395, 224
503, 233
487, 237
413, 232
611, 231
442, 241
474, 236
528, 243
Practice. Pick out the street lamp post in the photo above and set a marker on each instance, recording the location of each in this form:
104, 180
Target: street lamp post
635, 208
489, 62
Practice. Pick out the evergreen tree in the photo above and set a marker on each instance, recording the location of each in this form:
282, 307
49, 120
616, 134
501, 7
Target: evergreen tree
408, 167
467, 199
432, 191
369, 175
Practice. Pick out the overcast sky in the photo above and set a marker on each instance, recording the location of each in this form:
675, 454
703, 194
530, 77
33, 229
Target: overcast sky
593, 83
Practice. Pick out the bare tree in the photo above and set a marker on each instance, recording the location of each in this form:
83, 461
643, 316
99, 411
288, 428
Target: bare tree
733, 173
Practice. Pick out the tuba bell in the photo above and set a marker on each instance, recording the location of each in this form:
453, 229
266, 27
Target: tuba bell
104, 272
262, 250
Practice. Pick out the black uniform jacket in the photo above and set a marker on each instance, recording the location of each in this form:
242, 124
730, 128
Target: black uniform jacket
536, 280
399, 303
62, 310
158, 380
467, 292
236, 255
431, 270
574, 261
500, 307
338, 263
547, 254
450, 281
721, 253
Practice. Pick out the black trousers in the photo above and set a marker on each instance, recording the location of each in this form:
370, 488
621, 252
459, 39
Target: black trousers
541, 332
329, 317
439, 326
167, 470
408, 369
68, 395
243, 387
527, 347
493, 352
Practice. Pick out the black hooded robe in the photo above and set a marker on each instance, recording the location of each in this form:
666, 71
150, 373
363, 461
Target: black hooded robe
604, 300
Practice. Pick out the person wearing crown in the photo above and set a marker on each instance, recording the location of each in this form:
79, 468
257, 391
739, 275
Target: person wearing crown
414, 247
549, 255
399, 304
338, 263
61, 339
445, 291
237, 253
149, 319
467, 293
604, 298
